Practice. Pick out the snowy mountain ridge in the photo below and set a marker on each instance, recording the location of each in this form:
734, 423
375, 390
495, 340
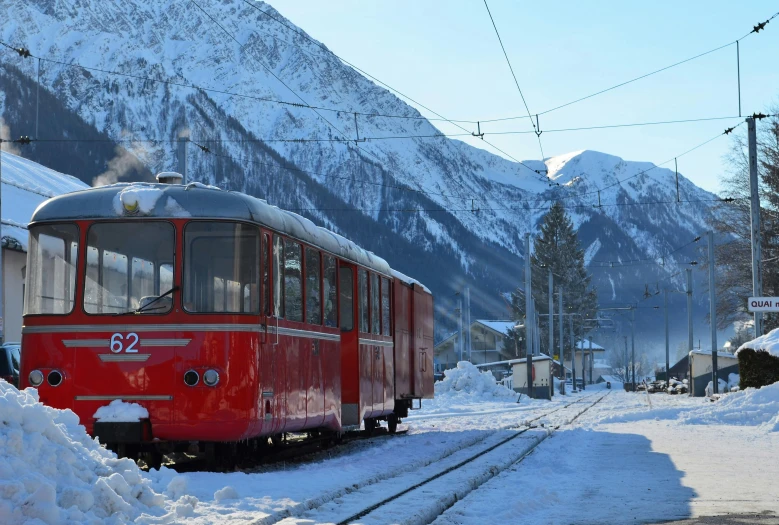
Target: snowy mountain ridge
450, 202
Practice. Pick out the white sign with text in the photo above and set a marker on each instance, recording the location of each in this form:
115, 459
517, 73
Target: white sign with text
763, 304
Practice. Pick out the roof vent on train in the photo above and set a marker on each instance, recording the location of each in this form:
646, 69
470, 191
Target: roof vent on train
170, 177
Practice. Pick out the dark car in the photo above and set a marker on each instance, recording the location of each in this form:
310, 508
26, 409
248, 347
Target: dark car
10, 357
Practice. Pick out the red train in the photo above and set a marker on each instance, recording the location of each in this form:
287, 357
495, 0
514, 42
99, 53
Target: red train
227, 318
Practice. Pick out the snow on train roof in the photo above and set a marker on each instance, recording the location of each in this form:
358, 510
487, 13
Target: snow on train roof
200, 201
409, 280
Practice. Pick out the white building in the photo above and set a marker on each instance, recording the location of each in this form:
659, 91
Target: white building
599, 366
25, 185
486, 344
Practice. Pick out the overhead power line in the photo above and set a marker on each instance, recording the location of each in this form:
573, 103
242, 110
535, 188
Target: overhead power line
516, 82
394, 90
755, 29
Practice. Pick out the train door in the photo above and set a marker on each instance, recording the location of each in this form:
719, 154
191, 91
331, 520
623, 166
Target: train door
367, 353
350, 362
273, 362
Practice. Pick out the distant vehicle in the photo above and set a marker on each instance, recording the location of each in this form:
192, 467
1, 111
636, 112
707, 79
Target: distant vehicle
438, 376
10, 357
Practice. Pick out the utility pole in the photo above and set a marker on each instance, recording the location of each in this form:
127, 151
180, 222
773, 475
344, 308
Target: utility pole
182, 159
573, 355
667, 346
551, 314
592, 364
528, 318
689, 310
626, 359
460, 343
467, 337
562, 347
2, 273
713, 315
757, 270
590, 359
633, 345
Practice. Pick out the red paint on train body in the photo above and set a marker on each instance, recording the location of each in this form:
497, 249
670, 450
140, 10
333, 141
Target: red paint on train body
301, 332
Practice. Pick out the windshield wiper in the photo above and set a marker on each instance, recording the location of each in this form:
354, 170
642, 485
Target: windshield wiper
145, 307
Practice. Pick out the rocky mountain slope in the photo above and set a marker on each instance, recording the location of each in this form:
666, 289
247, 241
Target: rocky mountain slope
435, 208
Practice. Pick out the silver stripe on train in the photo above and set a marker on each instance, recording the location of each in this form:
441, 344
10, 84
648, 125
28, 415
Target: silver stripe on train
86, 343
309, 334
164, 342
124, 398
143, 328
376, 342
105, 343
114, 358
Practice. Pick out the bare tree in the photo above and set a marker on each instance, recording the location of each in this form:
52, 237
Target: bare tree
731, 220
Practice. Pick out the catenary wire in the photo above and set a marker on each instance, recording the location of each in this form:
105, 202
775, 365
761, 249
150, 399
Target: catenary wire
516, 82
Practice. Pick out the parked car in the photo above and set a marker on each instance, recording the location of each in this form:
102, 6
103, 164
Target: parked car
10, 357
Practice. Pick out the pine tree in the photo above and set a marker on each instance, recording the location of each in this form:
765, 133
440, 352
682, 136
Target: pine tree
557, 247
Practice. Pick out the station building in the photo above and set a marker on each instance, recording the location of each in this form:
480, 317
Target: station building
25, 185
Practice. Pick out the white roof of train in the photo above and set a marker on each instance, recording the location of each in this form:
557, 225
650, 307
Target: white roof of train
200, 201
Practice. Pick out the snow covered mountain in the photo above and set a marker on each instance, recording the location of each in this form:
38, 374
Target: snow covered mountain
435, 208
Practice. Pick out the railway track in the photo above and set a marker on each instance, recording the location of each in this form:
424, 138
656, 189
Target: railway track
331, 507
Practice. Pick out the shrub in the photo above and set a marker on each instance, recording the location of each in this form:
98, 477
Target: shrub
757, 368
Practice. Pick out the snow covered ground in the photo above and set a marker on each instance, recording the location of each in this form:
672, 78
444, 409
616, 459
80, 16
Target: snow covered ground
620, 461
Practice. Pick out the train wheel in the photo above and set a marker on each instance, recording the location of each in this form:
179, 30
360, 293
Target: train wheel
370, 425
153, 459
392, 423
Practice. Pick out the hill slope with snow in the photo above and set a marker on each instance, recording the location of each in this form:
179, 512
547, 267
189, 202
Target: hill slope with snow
411, 200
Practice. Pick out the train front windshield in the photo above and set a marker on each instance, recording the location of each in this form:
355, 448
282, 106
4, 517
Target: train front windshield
128, 265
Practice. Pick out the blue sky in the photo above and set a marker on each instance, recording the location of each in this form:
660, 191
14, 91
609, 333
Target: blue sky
445, 54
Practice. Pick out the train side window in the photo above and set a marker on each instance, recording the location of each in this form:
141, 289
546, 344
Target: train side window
293, 286
362, 285
313, 288
265, 275
375, 308
331, 313
385, 306
346, 300
278, 263
50, 284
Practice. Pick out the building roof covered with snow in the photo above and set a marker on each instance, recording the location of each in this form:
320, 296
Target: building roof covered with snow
500, 327
26, 185
584, 344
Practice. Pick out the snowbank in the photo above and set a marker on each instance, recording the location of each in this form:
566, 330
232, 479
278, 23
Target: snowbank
52, 471
749, 407
767, 342
120, 412
467, 379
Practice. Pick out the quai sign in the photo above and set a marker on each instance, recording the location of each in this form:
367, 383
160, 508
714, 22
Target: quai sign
763, 304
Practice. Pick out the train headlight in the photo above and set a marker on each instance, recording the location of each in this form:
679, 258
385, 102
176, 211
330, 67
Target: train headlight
35, 378
129, 203
211, 377
54, 378
191, 378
